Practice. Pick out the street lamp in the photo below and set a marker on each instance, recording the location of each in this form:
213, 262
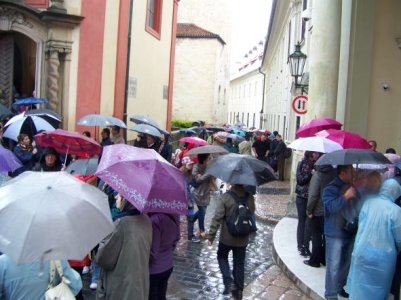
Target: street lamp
297, 63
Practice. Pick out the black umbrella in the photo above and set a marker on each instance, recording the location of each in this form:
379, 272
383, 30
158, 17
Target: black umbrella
352, 156
209, 149
50, 116
241, 169
215, 128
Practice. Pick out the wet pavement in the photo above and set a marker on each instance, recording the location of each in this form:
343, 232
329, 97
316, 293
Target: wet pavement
196, 272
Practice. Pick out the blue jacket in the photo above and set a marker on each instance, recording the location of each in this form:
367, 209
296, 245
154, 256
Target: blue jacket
334, 203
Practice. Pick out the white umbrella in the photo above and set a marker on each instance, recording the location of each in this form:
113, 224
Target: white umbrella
315, 143
100, 120
25, 124
51, 215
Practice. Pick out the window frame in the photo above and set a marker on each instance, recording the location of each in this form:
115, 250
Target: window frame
38, 3
157, 19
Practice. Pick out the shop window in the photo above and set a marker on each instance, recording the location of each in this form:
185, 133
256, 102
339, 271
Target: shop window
154, 17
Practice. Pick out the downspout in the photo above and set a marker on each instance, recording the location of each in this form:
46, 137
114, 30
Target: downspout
127, 67
171, 68
263, 98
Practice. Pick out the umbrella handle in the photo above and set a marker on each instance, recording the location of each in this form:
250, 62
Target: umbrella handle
65, 159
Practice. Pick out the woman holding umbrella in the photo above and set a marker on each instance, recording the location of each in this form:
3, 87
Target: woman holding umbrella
26, 153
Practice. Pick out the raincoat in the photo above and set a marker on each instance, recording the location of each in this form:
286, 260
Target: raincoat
376, 246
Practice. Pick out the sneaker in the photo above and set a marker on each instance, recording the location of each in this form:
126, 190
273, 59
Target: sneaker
194, 239
305, 252
93, 286
85, 270
307, 262
343, 294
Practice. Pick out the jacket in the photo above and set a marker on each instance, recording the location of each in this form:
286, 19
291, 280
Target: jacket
323, 176
225, 208
376, 245
334, 205
201, 194
124, 259
21, 282
166, 234
279, 150
304, 175
26, 157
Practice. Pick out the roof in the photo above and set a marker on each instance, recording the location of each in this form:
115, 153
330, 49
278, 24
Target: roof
188, 30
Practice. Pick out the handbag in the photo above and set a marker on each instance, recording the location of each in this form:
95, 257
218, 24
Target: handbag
61, 291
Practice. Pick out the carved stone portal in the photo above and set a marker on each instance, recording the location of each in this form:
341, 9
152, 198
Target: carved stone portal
10, 16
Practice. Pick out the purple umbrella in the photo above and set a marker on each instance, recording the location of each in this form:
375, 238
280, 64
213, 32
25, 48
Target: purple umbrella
314, 126
144, 178
8, 161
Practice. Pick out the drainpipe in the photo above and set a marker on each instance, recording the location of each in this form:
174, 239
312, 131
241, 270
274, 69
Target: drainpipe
171, 68
263, 97
128, 60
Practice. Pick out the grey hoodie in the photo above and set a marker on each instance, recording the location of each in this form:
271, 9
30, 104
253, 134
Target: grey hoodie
323, 176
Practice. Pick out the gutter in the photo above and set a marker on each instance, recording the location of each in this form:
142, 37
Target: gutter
263, 97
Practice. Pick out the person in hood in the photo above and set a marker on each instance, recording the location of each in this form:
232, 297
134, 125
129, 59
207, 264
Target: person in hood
50, 161
376, 245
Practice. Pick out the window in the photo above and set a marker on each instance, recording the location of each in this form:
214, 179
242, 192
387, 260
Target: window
153, 17
254, 117
303, 25
224, 97
289, 39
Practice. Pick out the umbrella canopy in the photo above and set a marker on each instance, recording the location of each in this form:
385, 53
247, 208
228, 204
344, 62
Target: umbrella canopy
347, 139
68, 142
189, 132
51, 215
29, 125
4, 111
194, 140
140, 119
214, 128
316, 125
147, 129
144, 178
241, 169
30, 101
353, 156
209, 149
84, 167
315, 143
50, 116
99, 120
8, 161
235, 138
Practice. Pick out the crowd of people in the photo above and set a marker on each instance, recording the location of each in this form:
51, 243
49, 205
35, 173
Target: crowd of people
351, 218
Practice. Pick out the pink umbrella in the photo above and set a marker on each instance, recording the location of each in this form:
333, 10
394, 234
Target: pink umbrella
144, 178
347, 139
194, 140
314, 126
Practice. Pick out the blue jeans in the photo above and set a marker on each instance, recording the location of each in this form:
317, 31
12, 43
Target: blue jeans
238, 265
338, 259
95, 272
200, 216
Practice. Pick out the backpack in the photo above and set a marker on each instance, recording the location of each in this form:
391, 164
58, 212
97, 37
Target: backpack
287, 152
239, 222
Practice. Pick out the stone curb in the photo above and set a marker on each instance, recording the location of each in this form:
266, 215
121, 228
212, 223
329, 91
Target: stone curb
266, 219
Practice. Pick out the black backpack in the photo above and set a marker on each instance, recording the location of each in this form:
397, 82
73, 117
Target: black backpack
239, 222
287, 152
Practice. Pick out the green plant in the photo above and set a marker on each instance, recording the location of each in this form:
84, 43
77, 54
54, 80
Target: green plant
181, 123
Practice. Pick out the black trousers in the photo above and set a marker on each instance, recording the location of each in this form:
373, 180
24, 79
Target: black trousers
316, 225
395, 287
238, 265
158, 285
303, 232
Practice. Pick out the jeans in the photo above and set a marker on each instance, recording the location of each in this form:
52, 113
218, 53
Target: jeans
95, 272
158, 285
303, 234
200, 216
238, 265
317, 226
338, 259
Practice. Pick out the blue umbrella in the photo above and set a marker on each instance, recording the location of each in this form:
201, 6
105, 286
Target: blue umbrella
31, 101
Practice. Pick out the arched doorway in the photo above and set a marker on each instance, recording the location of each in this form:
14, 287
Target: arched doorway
17, 65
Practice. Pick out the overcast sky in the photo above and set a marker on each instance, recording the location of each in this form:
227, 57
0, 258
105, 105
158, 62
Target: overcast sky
250, 20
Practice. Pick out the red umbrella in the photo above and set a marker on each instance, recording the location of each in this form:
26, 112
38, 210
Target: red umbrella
314, 126
347, 139
194, 140
68, 142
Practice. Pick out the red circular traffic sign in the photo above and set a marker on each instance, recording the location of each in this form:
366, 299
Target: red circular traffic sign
299, 104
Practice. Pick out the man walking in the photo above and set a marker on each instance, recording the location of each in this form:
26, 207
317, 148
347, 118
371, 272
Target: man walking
260, 148
228, 242
339, 242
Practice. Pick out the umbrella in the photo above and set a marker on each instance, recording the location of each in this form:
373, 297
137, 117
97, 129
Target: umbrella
316, 125
237, 131
51, 215
235, 138
353, 156
29, 125
241, 169
209, 149
4, 111
140, 119
215, 128
144, 178
315, 143
8, 161
187, 131
99, 120
347, 139
147, 129
30, 101
84, 167
47, 114
68, 142
194, 140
